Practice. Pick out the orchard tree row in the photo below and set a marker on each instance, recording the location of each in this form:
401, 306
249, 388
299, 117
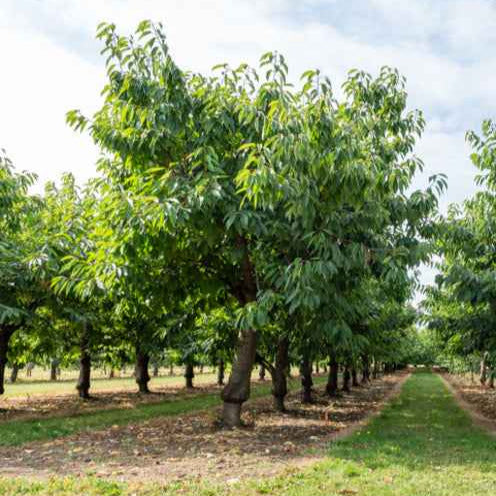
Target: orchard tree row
461, 309
237, 216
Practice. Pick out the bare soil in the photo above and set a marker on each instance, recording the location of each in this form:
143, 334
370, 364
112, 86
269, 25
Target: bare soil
192, 446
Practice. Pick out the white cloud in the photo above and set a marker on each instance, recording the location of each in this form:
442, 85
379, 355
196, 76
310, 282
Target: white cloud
445, 48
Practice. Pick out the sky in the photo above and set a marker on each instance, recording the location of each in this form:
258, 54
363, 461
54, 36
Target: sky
50, 63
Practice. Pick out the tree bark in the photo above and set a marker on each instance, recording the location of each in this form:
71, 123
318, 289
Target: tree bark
483, 368
237, 390
375, 369
354, 377
279, 379
491, 378
261, 373
155, 369
83, 385
53, 369
221, 372
5, 335
346, 378
14, 373
171, 369
189, 374
317, 368
306, 379
141, 373
332, 379
365, 369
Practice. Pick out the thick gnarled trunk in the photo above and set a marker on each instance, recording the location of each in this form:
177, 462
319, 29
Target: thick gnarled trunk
141, 373
83, 384
237, 389
279, 379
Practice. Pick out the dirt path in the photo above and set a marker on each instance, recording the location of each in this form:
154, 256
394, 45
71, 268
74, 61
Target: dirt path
473, 409
191, 447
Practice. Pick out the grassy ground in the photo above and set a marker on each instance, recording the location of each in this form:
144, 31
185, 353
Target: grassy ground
422, 444
16, 432
67, 385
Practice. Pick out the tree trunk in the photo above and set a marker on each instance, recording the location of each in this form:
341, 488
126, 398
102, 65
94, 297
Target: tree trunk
375, 369
354, 377
365, 369
14, 372
171, 369
155, 369
491, 378
83, 385
53, 369
141, 373
201, 368
189, 374
111, 373
261, 373
483, 368
279, 379
306, 379
346, 378
221, 372
5, 335
332, 379
237, 390
317, 368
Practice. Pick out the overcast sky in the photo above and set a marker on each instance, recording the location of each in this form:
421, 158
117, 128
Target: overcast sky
50, 63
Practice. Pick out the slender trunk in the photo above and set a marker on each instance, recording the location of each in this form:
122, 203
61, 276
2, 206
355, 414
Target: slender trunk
365, 369
83, 385
111, 373
491, 378
155, 369
14, 373
221, 373
141, 373
189, 374
317, 368
261, 373
375, 369
324, 368
5, 335
171, 369
279, 378
306, 379
483, 368
354, 377
201, 368
237, 390
332, 380
53, 369
346, 378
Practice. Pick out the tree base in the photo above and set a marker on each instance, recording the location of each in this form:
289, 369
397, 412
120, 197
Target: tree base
231, 415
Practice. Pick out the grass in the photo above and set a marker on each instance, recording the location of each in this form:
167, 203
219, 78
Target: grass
67, 385
16, 432
423, 444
